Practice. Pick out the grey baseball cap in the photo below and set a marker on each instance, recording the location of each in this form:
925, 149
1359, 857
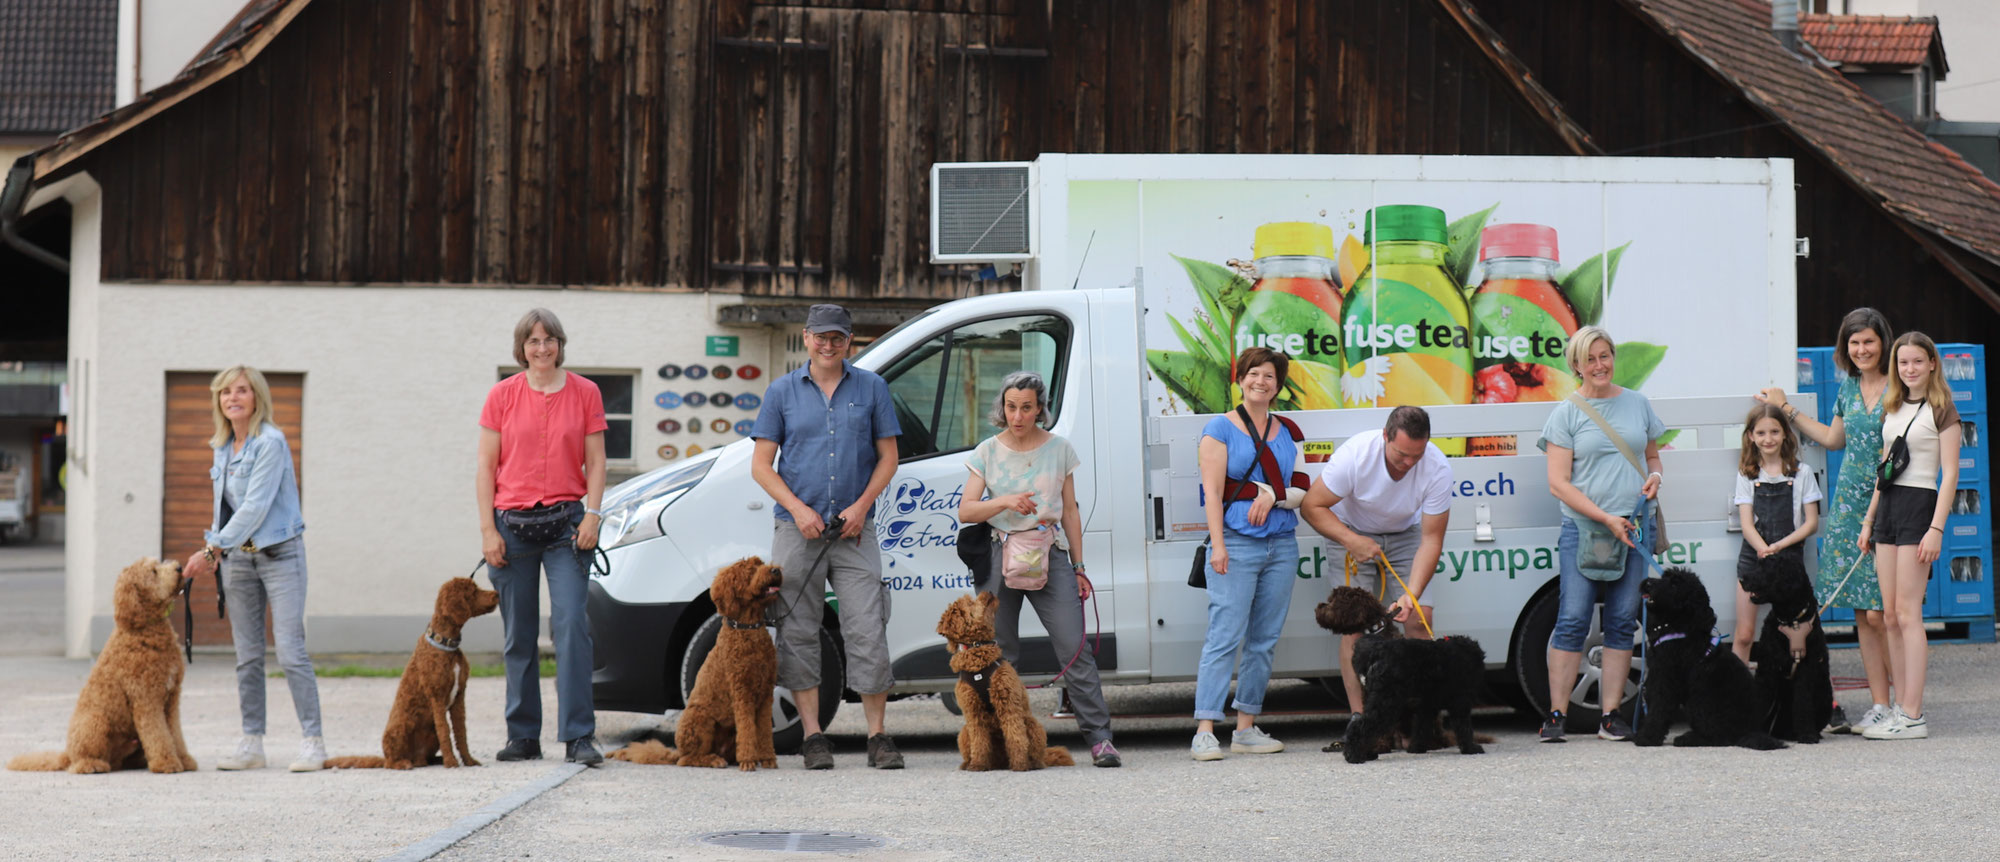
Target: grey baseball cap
829, 318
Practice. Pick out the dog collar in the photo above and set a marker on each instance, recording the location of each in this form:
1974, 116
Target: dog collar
1379, 627
446, 644
743, 627
966, 646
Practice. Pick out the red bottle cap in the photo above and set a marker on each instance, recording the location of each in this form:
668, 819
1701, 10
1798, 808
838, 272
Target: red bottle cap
1518, 240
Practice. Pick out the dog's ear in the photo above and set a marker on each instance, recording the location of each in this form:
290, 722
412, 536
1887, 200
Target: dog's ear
988, 601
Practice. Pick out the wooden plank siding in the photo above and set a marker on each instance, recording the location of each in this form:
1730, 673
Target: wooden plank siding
777, 149
1638, 94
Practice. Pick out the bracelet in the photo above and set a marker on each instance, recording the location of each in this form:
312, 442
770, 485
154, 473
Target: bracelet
1078, 567
598, 512
1939, 529
1792, 411
209, 552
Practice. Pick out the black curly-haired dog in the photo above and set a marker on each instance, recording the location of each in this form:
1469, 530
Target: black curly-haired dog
1687, 668
1404, 681
1792, 667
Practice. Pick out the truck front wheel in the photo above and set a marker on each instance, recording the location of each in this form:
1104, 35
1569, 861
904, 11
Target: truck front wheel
787, 732
1585, 704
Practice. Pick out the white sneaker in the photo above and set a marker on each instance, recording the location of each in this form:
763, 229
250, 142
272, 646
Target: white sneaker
249, 755
1250, 740
1899, 726
312, 755
1205, 747
1873, 717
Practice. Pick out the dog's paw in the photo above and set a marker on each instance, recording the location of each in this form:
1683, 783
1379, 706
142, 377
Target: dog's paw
397, 764
706, 761
469, 761
1649, 741
163, 766
1357, 754
90, 767
188, 764
1474, 748
1808, 739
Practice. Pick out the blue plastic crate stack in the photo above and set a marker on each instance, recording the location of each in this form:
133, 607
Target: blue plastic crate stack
1961, 588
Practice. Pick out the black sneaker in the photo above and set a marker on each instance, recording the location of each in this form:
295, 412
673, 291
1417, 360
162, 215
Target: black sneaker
1614, 727
1836, 721
521, 749
817, 752
1552, 728
882, 753
583, 749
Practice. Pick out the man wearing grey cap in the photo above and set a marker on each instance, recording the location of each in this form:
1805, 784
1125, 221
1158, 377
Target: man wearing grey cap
826, 447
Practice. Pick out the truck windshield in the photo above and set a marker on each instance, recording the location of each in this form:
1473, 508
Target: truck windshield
944, 387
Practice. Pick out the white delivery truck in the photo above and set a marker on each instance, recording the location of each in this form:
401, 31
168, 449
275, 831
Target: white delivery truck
1142, 274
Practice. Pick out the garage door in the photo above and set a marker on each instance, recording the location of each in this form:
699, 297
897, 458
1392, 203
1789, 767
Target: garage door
185, 511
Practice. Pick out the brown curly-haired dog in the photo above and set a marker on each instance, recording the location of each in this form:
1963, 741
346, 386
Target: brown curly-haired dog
728, 715
129, 712
428, 715
999, 727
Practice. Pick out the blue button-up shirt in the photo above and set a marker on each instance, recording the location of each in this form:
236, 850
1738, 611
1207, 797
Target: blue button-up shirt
826, 447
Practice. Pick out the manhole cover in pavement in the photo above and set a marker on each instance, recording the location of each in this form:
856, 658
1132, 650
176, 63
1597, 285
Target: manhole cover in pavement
790, 841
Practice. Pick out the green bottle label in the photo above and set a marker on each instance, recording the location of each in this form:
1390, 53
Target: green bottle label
1512, 329
1384, 316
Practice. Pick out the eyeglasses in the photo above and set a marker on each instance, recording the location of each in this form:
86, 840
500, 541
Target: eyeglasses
539, 343
830, 337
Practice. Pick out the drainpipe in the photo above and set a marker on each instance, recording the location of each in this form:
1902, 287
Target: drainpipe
19, 178
1785, 23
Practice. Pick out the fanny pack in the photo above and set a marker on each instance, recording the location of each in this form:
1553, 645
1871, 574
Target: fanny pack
1024, 558
1897, 459
1600, 556
545, 524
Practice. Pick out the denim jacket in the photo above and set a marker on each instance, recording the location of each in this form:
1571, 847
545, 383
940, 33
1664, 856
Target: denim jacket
269, 513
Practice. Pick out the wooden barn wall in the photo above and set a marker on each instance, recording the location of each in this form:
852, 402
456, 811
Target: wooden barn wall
1638, 94
770, 148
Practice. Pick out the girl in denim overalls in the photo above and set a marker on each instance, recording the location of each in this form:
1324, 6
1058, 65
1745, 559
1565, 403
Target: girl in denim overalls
1777, 502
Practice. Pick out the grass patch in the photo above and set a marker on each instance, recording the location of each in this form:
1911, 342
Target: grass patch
345, 671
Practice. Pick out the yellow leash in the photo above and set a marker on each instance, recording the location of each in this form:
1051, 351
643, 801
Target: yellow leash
1382, 587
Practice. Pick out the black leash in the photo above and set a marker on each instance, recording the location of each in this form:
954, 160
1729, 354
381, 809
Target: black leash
186, 592
827, 536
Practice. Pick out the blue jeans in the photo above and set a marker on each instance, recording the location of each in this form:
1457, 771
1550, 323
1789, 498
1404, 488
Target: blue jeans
569, 629
1579, 595
1246, 609
274, 576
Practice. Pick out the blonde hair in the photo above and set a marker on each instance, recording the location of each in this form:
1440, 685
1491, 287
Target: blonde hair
550, 325
1579, 346
1936, 392
259, 414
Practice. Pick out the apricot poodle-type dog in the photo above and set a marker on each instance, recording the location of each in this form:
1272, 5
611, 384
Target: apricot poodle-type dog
128, 715
428, 716
728, 715
1404, 681
999, 730
1687, 668
1792, 664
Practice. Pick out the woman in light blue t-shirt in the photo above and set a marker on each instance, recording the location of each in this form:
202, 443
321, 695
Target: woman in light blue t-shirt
1593, 481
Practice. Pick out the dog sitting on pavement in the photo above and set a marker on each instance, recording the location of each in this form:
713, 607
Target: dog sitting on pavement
728, 715
1687, 668
1405, 682
1000, 729
427, 719
128, 715
1792, 663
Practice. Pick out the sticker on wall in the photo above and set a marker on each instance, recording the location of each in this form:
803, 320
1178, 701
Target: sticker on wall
695, 372
669, 371
667, 400
748, 401
670, 426
693, 451
745, 427
720, 399
694, 399
719, 426
669, 452
721, 372
694, 425
748, 372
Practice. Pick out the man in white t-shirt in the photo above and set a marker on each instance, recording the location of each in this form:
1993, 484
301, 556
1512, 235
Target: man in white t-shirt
1385, 494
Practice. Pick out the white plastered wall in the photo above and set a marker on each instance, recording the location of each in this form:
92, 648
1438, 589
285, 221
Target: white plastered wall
394, 381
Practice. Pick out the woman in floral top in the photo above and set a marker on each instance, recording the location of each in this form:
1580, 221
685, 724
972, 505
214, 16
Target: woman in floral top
1846, 574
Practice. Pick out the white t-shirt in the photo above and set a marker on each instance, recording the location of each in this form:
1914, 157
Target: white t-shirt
1371, 502
1805, 489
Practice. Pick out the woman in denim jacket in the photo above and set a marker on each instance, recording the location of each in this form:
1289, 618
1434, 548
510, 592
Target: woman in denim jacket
256, 535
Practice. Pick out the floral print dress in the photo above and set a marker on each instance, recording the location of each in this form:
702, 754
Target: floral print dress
1848, 504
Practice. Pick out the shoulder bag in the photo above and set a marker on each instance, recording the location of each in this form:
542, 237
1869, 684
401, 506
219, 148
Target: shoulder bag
1198, 574
1659, 520
1897, 458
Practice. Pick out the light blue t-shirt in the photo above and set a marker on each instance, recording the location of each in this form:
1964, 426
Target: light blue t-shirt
1242, 454
1599, 470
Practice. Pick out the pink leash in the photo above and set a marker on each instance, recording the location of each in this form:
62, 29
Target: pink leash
1097, 640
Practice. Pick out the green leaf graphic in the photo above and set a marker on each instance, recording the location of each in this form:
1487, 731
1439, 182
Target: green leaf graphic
1636, 362
1463, 247
1280, 313
1193, 379
1194, 345
1219, 286
1587, 285
1667, 439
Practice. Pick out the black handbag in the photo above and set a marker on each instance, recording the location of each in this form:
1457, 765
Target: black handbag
542, 525
1198, 575
975, 550
1897, 459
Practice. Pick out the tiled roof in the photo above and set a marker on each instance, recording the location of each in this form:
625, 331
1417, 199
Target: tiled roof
1873, 40
57, 60
1909, 176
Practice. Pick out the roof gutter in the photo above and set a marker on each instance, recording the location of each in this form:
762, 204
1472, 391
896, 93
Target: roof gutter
19, 179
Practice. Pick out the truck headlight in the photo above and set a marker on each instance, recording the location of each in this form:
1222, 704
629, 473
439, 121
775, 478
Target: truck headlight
633, 514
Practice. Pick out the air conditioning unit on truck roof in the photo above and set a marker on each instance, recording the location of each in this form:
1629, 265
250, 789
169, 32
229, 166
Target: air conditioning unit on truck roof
982, 212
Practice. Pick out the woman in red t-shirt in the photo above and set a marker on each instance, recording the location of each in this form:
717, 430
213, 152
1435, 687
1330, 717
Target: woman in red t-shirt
541, 477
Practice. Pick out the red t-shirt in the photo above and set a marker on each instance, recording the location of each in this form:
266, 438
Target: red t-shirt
541, 439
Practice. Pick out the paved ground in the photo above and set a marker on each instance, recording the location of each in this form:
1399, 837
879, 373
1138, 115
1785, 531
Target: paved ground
1587, 799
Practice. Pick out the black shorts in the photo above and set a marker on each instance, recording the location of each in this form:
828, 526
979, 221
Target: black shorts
1904, 515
